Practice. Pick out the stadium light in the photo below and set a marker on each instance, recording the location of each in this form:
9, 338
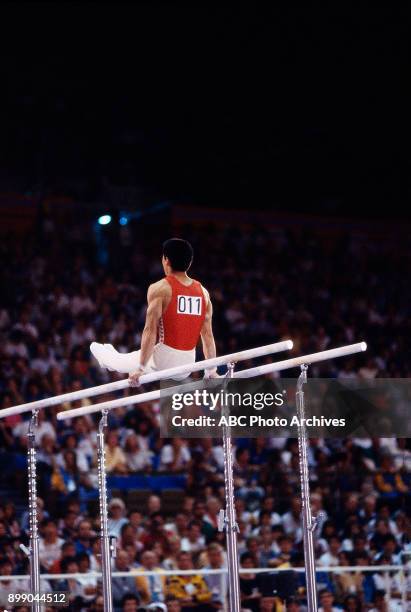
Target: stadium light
104, 220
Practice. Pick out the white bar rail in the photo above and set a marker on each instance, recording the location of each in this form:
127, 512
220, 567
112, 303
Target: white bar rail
141, 398
287, 364
205, 364
374, 569
150, 396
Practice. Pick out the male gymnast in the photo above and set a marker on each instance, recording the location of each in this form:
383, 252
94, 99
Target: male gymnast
179, 312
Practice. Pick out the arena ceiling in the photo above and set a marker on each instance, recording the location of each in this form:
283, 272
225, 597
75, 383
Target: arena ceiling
252, 105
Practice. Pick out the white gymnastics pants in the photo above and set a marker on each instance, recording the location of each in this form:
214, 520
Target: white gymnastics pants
163, 357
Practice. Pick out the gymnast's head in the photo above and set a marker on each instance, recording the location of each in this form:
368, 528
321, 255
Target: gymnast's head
177, 255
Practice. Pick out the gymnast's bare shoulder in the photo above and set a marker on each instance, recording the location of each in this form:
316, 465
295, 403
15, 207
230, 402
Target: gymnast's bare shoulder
160, 292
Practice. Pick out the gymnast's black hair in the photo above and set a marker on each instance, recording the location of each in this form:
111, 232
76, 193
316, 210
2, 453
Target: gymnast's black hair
180, 254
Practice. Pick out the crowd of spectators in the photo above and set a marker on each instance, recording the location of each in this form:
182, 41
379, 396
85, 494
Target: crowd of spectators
65, 288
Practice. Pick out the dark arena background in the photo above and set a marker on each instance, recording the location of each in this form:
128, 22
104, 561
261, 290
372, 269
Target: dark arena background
274, 138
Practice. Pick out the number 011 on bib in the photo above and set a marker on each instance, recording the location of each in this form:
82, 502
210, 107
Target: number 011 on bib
189, 305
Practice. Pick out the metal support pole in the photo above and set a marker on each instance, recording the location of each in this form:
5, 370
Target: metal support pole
33, 551
309, 524
107, 546
228, 518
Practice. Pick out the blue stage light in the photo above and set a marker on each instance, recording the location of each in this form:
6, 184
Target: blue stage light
123, 220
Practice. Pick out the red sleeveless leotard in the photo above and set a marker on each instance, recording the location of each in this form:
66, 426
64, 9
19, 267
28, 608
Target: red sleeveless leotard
182, 320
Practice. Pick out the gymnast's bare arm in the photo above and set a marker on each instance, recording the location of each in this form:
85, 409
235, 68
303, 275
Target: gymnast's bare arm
158, 298
207, 336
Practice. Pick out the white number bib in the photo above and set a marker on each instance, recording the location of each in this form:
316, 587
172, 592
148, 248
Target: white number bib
186, 304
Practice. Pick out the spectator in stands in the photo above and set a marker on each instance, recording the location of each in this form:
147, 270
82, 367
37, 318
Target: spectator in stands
155, 533
68, 525
264, 520
378, 537
137, 459
291, 520
41, 515
128, 536
70, 585
95, 555
268, 506
326, 602
85, 443
253, 549
269, 604
98, 604
49, 543
367, 586
85, 537
216, 583
47, 450
8, 513
352, 603
292, 605
117, 518
66, 480
331, 557
194, 542
191, 591
367, 512
284, 556
249, 591
116, 462
347, 582
241, 468
180, 524
88, 585
379, 602
153, 504
269, 550
390, 550
388, 480
15, 346
122, 585
175, 457
174, 547
207, 520
173, 604
68, 551
7, 586
130, 603
151, 588
70, 442
135, 519
6, 435
210, 516
360, 546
